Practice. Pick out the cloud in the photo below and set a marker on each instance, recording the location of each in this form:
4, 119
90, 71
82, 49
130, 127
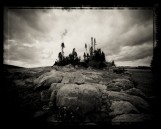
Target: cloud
33, 37
129, 53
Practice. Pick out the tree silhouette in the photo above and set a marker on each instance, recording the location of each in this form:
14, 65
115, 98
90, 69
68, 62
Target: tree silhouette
84, 56
87, 55
86, 47
74, 53
62, 46
113, 63
60, 56
95, 58
91, 51
102, 56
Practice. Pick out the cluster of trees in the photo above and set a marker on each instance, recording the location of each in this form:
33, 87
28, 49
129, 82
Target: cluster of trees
94, 58
72, 58
97, 55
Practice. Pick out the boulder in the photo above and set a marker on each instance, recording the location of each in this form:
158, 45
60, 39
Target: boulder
53, 92
122, 107
124, 84
45, 96
85, 97
84, 101
53, 119
136, 92
138, 102
113, 88
45, 80
38, 114
132, 118
99, 87
20, 83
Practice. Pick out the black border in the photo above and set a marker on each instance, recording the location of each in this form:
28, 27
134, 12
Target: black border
91, 3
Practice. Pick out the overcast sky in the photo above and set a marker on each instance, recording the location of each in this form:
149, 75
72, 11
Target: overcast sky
33, 37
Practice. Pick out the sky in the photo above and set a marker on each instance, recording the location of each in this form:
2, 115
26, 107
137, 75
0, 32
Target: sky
33, 37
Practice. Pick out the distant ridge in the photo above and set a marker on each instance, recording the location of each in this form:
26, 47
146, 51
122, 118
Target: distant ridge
11, 66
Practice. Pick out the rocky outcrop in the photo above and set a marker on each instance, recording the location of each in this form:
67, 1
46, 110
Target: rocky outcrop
85, 96
138, 102
136, 92
45, 80
68, 94
77, 93
122, 107
53, 93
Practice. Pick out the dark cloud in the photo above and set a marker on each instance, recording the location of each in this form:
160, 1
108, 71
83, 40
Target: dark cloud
30, 16
136, 55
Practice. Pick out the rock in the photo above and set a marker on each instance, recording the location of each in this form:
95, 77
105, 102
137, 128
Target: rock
138, 102
76, 66
28, 81
45, 96
39, 114
97, 117
68, 66
89, 68
92, 77
55, 67
86, 101
53, 91
113, 88
52, 119
45, 80
132, 118
128, 73
20, 83
100, 87
103, 82
45, 108
84, 96
124, 84
136, 92
52, 87
73, 77
64, 69
122, 107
